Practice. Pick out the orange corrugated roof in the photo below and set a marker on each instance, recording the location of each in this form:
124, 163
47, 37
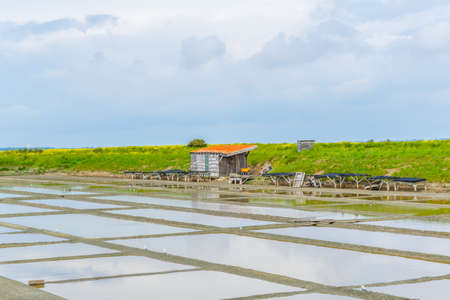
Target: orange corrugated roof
226, 149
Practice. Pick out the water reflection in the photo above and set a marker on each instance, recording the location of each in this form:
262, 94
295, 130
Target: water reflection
148, 200
73, 203
188, 285
370, 238
271, 211
436, 201
6, 208
300, 201
6, 229
47, 251
3, 196
189, 217
94, 226
46, 191
318, 264
27, 238
86, 268
418, 224
424, 290
393, 198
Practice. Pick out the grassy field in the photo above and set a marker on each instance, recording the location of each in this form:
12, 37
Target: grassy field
428, 159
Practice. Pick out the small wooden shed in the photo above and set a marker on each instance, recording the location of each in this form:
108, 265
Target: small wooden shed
220, 160
304, 145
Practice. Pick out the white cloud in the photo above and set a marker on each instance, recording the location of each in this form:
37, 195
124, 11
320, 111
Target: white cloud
18, 32
384, 32
243, 25
263, 66
196, 52
436, 36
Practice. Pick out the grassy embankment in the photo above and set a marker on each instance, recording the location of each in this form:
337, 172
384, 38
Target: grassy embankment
428, 159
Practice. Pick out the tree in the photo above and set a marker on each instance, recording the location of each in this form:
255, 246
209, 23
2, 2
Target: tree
196, 143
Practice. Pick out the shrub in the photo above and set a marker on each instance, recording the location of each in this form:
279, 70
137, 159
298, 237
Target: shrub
30, 150
196, 143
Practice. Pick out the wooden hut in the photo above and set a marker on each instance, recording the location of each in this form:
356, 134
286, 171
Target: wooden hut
220, 160
304, 145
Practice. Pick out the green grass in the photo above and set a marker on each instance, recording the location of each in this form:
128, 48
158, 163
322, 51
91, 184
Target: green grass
442, 202
428, 159
52, 184
98, 187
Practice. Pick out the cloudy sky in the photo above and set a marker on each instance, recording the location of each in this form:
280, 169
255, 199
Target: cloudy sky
142, 72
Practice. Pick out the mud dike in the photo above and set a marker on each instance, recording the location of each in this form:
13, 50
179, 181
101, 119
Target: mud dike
97, 238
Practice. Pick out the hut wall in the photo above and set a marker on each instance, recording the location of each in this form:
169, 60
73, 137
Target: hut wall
304, 145
205, 162
198, 162
217, 166
233, 164
213, 164
224, 166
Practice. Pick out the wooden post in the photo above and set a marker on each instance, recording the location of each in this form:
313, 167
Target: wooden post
36, 283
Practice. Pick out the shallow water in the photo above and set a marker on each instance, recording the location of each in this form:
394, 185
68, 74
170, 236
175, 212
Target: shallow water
47, 251
78, 187
6, 230
3, 196
318, 264
381, 208
94, 226
435, 201
418, 224
336, 195
370, 238
73, 203
27, 238
6, 208
188, 217
271, 211
148, 200
431, 290
46, 191
287, 212
393, 198
86, 268
290, 202
189, 285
